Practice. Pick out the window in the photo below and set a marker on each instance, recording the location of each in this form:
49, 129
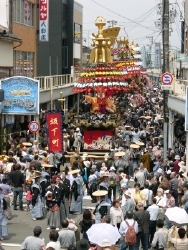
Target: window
6, 72
23, 63
23, 12
77, 32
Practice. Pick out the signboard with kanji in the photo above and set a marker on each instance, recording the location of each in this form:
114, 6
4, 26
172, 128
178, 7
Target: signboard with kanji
21, 95
43, 20
54, 130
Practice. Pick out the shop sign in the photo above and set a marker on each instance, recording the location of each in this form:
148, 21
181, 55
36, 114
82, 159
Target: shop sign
54, 128
43, 21
21, 95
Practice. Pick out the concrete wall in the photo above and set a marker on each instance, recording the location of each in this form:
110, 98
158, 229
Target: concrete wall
6, 54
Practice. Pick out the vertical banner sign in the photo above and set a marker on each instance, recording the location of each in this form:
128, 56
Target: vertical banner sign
43, 20
157, 55
54, 125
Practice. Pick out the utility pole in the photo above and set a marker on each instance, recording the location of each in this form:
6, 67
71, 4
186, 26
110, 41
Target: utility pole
165, 38
112, 23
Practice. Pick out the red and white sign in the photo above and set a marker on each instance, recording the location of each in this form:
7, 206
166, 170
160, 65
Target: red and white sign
54, 124
34, 127
43, 20
166, 79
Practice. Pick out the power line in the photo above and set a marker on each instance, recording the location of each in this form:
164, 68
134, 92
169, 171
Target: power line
120, 15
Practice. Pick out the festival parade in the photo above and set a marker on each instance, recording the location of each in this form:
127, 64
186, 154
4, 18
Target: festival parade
93, 125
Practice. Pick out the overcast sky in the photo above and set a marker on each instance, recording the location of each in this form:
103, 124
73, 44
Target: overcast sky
142, 15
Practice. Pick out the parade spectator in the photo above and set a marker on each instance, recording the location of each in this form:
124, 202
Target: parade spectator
143, 218
160, 237
87, 221
33, 242
17, 179
66, 236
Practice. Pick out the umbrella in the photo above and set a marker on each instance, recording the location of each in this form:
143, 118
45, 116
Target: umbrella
98, 232
177, 216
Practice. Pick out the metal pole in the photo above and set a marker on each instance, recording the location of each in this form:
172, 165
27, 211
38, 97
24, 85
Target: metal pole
165, 36
51, 93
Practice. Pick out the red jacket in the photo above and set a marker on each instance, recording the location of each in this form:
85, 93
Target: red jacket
176, 167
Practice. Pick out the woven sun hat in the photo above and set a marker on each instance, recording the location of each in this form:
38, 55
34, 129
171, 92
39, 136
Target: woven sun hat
134, 146
120, 154
142, 117
148, 117
27, 144
76, 171
47, 166
100, 193
127, 126
139, 143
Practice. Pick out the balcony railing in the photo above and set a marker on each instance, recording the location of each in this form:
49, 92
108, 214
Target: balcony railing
179, 88
48, 82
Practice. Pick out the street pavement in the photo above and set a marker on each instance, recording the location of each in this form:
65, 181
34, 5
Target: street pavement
21, 225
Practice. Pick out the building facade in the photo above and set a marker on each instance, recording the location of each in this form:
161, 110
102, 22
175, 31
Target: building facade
24, 25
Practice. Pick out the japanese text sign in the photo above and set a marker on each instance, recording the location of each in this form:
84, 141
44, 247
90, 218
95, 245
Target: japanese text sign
43, 20
54, 124
21, 95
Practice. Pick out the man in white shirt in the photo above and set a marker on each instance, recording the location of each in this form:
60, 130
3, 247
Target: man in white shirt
147, 193
124, 227
153, 211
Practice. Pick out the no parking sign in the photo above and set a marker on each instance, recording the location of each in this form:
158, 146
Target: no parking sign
166, 80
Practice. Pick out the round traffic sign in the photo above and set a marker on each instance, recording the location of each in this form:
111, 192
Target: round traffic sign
166, 78
34, 127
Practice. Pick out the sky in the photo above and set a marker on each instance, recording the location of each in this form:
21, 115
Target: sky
135, 17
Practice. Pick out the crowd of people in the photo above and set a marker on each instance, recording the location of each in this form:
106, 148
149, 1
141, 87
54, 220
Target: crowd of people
131, 190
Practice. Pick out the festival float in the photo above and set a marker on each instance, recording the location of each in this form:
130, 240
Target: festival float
112, 72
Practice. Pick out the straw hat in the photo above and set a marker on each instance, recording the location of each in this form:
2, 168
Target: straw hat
139, 143
127, 126
148, 117
142, 117
47, 166
100, 193
27, 144
76, 171
134, 146
120, 154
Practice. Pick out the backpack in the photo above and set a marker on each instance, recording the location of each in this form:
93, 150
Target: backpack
130, 236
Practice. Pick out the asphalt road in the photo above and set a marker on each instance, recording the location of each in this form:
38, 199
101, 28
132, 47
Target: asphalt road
21, 225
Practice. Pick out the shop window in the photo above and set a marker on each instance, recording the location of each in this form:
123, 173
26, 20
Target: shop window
77, 33
23, 63
23, 12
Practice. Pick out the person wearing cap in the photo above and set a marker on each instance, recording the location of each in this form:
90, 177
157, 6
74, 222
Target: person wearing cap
77, 192
160, 202
129, 204
36, 206
176, 164
33, 242
35, 145
101, 208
